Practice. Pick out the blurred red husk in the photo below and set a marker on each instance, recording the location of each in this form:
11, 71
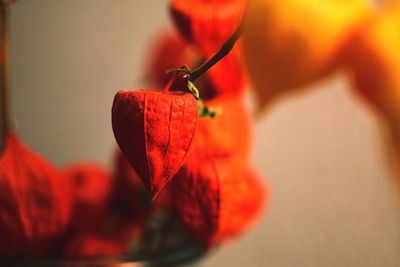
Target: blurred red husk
130, 197
246, 199
170, 51
214, 185
226, 78
167, 51
229, 134
91, 245
216, 202
90, 194
34, 203
99, 226
207, 24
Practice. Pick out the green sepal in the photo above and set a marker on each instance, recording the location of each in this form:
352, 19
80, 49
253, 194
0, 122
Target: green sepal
206, 112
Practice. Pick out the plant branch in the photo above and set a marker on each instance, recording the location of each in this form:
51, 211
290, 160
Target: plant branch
222, 52
4, 72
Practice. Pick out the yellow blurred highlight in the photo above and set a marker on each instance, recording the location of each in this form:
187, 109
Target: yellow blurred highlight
374, 62
289, 43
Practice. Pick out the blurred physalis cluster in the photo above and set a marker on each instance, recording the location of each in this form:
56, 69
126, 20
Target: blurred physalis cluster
183, 156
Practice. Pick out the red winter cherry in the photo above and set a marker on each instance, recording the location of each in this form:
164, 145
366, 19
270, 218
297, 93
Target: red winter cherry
98, 225
207, 23
244, 199
214, 181
169, 51
90, 194
216, 202
226, 78
130, 198
227, 135
154, 130
34, 204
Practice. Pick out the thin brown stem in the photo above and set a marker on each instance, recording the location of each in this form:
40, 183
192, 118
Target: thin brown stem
4, 72
222, 52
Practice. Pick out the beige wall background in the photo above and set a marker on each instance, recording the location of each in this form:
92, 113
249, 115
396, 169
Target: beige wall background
333, 202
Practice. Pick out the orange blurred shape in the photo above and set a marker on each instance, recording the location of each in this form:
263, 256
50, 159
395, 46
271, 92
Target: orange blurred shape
374, 63
290, 43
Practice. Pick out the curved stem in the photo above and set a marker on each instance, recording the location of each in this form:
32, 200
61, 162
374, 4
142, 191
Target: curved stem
223, 51
4, 72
